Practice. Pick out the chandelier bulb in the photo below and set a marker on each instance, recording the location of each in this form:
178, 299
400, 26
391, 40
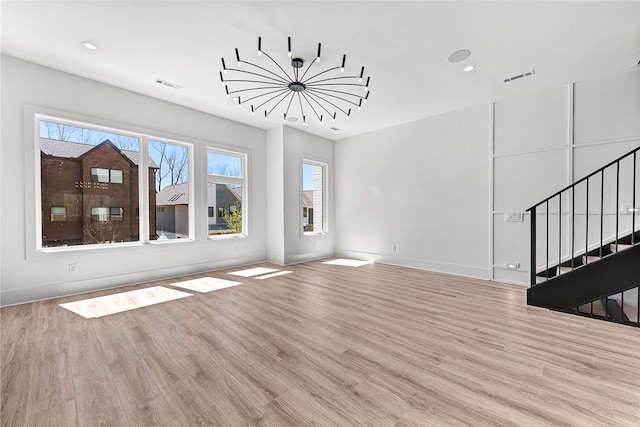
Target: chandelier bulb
318, 57
289, 47
344, 59
259, 46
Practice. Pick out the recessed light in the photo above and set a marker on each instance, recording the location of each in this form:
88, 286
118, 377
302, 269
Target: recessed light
459, 55
89, 45
469, 68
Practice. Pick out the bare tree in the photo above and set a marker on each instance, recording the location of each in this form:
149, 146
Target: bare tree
124, 142
59, 131
223, 170
102, 231
173, 164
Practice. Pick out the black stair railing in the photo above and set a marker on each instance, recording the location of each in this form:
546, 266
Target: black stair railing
569, 193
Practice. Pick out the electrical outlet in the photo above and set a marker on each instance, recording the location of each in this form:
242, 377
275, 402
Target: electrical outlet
73, 267
513, 217
512, 265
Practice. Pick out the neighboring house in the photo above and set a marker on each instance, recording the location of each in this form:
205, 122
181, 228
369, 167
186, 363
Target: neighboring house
172, 210
307, 210
90, 193
222, 199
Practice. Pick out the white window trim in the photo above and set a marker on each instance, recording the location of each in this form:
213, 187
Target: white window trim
33, 116
191, 195
325, 197
243, 180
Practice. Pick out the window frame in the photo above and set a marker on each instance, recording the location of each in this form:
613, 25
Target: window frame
325, 198
242, 180
191, 195
33, 116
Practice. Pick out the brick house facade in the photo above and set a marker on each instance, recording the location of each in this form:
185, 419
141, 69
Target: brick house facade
90, 193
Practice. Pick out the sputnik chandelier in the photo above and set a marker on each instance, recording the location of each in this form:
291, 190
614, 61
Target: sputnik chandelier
324, 94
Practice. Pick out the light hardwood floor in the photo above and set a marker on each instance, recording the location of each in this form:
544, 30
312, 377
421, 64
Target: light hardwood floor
377, 345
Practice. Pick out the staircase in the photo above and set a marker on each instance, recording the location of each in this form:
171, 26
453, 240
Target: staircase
585, 245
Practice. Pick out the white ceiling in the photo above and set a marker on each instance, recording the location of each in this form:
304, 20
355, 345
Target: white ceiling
404, 46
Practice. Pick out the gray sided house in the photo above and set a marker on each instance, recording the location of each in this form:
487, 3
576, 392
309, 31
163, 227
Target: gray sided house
172, 211
222, 199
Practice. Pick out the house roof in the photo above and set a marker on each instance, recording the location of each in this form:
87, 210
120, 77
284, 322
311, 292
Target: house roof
307, 198
234, 190
74, 150
173, 195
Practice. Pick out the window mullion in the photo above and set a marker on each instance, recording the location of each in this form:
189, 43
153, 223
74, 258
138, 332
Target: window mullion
143, 189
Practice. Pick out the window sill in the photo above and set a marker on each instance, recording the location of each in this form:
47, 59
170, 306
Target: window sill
314, 233
227, 237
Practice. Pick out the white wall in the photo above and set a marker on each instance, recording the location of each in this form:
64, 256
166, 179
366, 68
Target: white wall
544, 141
27, 275
275, 195
300, 145
418, 194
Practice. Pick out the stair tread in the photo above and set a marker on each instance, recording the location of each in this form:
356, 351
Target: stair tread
589, 259
564, 269
621, 247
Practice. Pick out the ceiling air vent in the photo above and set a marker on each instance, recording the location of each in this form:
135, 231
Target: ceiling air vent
166, 83
519, 76
334, 128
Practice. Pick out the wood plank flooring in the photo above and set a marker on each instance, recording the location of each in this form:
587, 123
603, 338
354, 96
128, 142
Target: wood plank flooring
376, 345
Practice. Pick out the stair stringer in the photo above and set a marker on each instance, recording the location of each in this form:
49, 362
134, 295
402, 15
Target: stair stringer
607, 276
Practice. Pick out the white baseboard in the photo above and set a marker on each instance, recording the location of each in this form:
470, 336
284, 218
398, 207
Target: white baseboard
56, 290
421, 264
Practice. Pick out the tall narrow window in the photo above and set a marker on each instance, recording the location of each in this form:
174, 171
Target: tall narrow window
84, 173
313, 197
226, 189
170, 200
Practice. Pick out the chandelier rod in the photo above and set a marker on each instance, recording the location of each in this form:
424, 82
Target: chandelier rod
301, 109
263, 94
322, 106
279, 79
305, 72
339, 91
333, 78
334, 96
262, 68
289, 106
269, 56
320, 73
314, 110
326, 100
284, 91
277, 103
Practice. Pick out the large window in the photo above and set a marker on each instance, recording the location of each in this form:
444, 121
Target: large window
170, 209
91, 185
313, 197
113, 176
226, 189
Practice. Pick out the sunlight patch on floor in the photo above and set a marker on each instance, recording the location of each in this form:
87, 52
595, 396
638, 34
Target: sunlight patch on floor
206, 284
251, 272
124, 301
348, 262
276, 274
